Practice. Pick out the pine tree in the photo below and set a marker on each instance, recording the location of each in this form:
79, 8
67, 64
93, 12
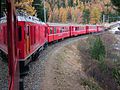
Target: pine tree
116, 3
2, 8
86, 16
98, 49
39, 9
70, 3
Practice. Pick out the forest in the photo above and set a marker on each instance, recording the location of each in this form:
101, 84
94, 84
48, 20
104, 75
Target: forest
68, 11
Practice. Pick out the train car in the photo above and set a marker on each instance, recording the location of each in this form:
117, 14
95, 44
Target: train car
3, 37
58, 31
31, 38
91, 28
77, 29
100, 28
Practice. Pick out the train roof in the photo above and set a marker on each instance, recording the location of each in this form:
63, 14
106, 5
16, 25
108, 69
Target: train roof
24, 18
29, 19
68, 24
3, 20
57, 24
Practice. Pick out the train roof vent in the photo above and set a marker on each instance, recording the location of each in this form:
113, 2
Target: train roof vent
30, 17
3, 20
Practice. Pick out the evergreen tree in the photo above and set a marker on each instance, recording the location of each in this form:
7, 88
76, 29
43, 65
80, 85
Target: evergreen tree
63, 4
70, 3
86, 16
2, 7
39, 9
116, 3
98, 49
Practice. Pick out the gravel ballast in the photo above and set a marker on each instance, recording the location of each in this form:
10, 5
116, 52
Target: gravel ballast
3, 75
33, 80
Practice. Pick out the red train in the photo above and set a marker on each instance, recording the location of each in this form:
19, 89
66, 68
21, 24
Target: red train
33, 35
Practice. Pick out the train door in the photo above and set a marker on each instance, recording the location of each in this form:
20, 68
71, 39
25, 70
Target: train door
51, 35
55, 37
87, 29
46, 31
27, 39
71, 30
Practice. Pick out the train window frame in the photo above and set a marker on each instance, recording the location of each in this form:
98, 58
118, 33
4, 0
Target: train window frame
55, 30
51, 30
76, 28
0, 29
34, 35
19, 33
4, 33
28, 30
61, 29
46, 29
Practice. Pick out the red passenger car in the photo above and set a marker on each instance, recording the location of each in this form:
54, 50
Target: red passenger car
58, 31
77, 29
31, 37
92, 28
3, 36
100, 28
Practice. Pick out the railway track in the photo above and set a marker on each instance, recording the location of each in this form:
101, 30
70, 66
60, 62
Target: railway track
34, 78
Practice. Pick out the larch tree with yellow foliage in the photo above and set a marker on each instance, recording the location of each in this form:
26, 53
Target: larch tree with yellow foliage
26, 6
95, 15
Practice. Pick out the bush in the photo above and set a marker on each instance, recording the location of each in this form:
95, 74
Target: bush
97, 49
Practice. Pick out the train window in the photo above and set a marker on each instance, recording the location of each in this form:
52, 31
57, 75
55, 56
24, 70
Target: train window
55, 31
62, 30
34, 35
4, 34
46, 31
0, 29
76, 28
66, 29
28, 28
19, 33
51, 30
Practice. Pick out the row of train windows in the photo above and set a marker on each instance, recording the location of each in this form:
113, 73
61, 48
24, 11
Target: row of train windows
79, 28
92, 27
27, 32
61, 30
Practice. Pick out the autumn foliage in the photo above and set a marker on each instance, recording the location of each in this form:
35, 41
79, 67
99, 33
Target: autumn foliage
26, 6
70, 11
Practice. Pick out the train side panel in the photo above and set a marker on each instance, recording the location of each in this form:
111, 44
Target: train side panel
3, 37
66, 32
79, 30
50, 34
92, 28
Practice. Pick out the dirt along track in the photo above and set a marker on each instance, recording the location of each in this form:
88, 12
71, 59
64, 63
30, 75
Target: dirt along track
37, 75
